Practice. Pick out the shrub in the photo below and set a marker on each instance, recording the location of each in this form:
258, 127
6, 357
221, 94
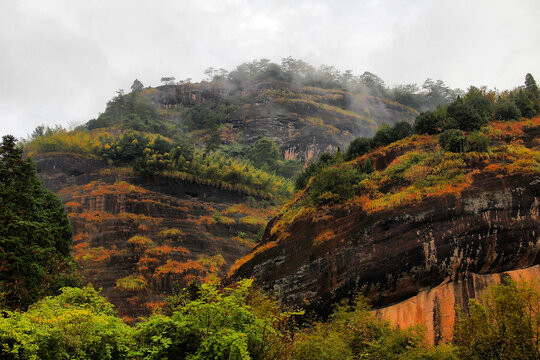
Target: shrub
453, 140
358, 147
131, 283
478, 142
333, 184
506, 109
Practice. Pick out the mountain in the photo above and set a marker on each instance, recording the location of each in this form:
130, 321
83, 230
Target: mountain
425, 231
173, 184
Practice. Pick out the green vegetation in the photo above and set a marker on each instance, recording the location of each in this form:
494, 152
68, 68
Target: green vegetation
211, 322
479, 106
35, 235
153, 154
504, 323
354, 333
77, 324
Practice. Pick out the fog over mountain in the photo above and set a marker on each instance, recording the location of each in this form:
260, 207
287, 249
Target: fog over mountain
60, 61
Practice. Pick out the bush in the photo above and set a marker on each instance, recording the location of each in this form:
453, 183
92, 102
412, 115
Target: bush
77, 324
453, 140
427, 123
478, 142
502, 324
506, 109
358, 147
334, 184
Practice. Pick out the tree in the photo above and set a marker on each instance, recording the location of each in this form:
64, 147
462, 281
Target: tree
264, 154
358, 147
168, 80
35, 235
504, 323
453, 140
506, 109
525, 103
137, 86
466, 115
427, 123
77, 324
532, 88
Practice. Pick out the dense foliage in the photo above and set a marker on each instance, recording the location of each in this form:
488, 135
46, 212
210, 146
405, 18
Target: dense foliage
151, 154
239, 323
35, 235
504, 323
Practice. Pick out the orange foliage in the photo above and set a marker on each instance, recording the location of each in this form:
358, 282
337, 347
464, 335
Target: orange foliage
154, 306
250, 211
166, 249
324, 236
175, 267
72, 204
261, 248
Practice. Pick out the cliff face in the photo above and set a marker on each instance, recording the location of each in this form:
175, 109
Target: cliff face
139, 238
304, 121
391, 255
436, 308
403, 245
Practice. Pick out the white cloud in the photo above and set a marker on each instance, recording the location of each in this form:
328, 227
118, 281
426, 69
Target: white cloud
61, 60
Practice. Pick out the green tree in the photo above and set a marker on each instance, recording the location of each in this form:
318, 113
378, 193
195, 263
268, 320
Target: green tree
77, 324
525, 103
358, 147
264, 154
208, 323
334, 184
137, 86
467, 117
35, 235
532, 88
503, 324
427, 123
506, 109
453, 140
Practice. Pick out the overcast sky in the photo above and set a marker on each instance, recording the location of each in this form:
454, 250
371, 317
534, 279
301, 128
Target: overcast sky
61, 60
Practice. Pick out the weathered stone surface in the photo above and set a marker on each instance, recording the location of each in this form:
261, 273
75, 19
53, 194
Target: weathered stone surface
107, 207
299, 121
393, 255
436, 307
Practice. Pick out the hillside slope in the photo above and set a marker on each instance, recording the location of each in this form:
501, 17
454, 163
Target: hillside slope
423, 218
154, 206
304, 121
138, 238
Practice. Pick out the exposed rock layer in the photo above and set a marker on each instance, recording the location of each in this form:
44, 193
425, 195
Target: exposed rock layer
107, 207
393, 255
436, 308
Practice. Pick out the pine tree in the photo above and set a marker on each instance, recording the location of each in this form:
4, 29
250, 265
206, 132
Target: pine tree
35, 235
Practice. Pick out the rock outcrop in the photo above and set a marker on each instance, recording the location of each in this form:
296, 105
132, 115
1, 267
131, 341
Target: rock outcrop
139, 238
414, 255
304, 121
436, 307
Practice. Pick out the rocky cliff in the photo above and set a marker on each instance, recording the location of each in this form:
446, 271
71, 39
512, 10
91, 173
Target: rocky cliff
139, 238
427, 229
304, 121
